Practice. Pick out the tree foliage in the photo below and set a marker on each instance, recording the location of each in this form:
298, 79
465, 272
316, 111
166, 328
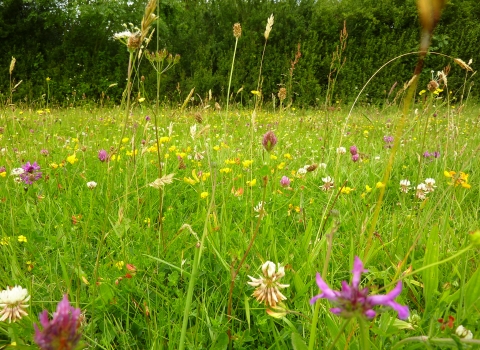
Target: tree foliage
71, 42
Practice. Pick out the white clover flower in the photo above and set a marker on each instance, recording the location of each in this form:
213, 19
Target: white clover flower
268, 287
13, 302
322, 166
260, 209
91, 184
341, 150
17, 171
463, 333
328, 183
302, 171
404, 186
430, 184
421, 191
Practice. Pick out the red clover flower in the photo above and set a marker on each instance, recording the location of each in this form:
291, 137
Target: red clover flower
102, 155
62, 332
352, 301
269, 141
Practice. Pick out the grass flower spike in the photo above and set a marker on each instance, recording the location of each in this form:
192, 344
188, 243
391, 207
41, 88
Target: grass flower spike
268, 287
13, 302
352, 301
62, 332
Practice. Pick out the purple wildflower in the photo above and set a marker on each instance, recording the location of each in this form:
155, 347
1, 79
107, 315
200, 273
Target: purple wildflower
388, 139
436, 154
426, 154
269, 141
30, 173
285, 181
147, 118
2, 169
355, 157
102, 155
353, 150
352, 301
62, 332
44, 152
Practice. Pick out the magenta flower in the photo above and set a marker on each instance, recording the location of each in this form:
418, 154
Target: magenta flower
102, 155
62, 332
353, 150
352, 301
285, 181
269, 141
355, 157
30, 173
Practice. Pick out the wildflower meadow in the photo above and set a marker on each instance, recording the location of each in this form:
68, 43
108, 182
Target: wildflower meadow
222, 225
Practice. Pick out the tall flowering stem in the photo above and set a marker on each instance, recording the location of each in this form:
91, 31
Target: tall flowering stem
237, 32
236, 270
429, 13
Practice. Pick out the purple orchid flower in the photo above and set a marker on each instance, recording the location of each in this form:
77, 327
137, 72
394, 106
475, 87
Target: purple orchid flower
269, 141
351, 300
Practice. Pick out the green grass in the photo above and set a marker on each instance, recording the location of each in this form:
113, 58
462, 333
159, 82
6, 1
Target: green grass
80, 240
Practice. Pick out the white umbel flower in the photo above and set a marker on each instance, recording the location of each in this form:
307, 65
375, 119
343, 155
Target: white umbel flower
13, 302
268, 287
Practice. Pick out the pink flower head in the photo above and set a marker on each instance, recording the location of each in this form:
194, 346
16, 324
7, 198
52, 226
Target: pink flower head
269, 141
285, 181
353, 150
102, 155
351, 301
355, 157
62, 332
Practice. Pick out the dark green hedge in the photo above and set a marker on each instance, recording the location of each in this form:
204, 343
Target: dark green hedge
71, 42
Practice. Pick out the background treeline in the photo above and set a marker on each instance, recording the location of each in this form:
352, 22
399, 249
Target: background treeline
71, 42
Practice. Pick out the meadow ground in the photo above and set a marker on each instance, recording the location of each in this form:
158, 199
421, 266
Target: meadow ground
143, 250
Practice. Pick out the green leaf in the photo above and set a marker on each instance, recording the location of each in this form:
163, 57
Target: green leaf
472, 291
297, 342
430, 275
221, 343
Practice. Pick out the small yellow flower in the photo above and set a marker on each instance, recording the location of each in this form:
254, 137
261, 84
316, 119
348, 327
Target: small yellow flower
119, 264
141, 99
164, 139
380, 184
365, 133
256, 93
281, 166
346, 190
53, 165
22, 239
172, 148
48, 79
247, 163
204, 195
273, 157
251, 183
422, 92
288, 156
368, 189
4, 241
72, 159
3, 174
216, 148
125, 140
226, 170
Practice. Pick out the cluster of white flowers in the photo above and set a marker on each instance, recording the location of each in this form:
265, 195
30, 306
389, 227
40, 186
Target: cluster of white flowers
327, 183
423, 188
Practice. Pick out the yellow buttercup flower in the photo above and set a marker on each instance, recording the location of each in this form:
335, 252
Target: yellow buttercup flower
380, 184
204, 195
72, 159
22, 239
